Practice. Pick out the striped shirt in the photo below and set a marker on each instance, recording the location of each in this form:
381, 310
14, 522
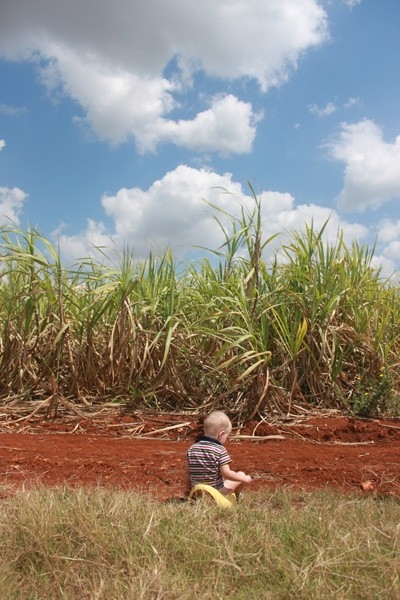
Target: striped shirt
205, 459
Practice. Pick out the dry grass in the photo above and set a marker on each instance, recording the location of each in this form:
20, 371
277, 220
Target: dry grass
112, 545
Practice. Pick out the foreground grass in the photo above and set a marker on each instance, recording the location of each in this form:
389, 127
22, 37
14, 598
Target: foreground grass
76, 544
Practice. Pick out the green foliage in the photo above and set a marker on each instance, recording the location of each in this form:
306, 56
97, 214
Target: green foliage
316, 326
375, 397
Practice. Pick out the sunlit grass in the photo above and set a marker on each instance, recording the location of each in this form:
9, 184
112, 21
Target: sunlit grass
61, 543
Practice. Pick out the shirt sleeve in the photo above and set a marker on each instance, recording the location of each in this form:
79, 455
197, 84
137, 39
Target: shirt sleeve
224, 458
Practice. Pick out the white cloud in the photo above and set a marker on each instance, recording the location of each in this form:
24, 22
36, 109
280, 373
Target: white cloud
117, 103
372, 166
323, 111
392, 251
83, 245
112, 59
352, 102
284, 217
389, 231
2, 144
387, 267
331, 107
388, 246
172, 211
228, 126
11, 111
11, 204
351, 3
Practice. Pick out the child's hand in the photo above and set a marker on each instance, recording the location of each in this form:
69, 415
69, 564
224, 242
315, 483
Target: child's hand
245, 478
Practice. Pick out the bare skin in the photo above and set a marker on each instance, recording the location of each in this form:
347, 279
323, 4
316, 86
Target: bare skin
233, 480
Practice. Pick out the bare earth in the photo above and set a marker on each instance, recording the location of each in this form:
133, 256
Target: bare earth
147, 454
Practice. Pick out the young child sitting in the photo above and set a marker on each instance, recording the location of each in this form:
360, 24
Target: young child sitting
208, 460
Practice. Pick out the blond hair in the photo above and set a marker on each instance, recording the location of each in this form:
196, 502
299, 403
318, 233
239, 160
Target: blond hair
215, 422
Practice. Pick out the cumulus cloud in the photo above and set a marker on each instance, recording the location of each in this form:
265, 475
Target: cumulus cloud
84, 244
126, 63
117, 103
2, 144
372, 166
389, 231
11, 205
388, 246
172, 211
129, 106
175, 212
228, 126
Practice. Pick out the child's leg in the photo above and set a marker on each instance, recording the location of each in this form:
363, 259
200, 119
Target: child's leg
232, 486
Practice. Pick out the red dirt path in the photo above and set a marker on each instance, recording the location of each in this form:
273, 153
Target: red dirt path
337, 452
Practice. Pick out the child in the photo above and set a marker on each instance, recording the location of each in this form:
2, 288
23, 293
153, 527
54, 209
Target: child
208, 460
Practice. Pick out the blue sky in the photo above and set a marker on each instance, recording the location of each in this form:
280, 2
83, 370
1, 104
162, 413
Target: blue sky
117, 119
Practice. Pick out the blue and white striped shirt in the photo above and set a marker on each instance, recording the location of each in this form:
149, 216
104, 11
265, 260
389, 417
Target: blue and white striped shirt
205, 459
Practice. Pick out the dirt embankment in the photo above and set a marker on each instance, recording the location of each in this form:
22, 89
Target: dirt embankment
147, 453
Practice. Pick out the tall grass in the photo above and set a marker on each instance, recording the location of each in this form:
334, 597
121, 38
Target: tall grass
315, 327
74, 544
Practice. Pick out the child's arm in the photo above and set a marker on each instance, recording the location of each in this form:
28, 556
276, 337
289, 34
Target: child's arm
239, 476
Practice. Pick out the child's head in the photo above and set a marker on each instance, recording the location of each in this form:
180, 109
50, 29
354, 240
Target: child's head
217, 425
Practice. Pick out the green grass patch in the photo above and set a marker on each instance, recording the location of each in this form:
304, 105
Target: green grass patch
111, 544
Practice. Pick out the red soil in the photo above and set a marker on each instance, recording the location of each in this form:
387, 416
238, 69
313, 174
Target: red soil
130, 452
